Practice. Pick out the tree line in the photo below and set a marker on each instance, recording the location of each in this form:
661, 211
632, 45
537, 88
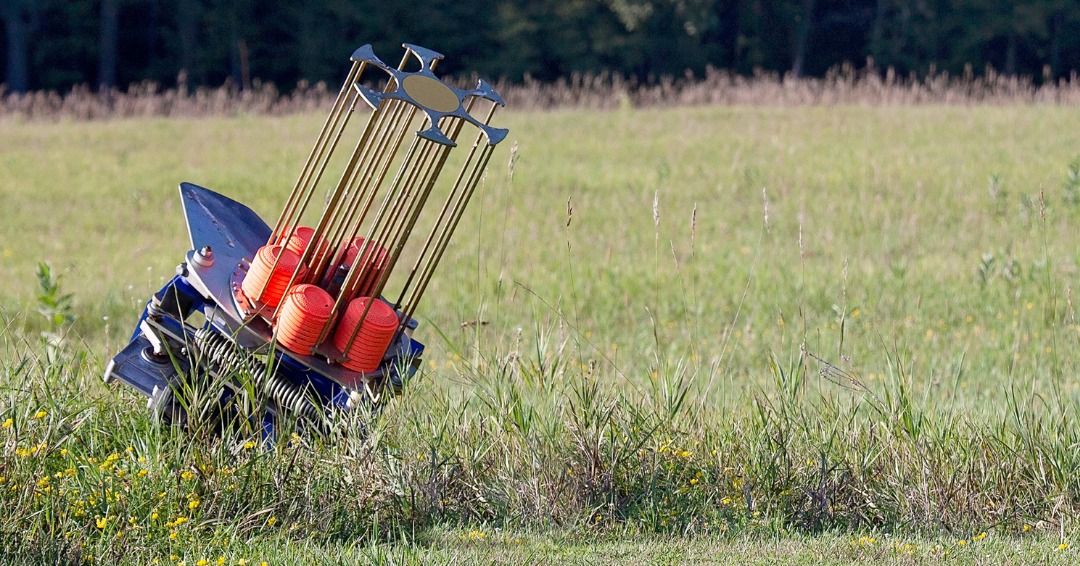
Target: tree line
57, 44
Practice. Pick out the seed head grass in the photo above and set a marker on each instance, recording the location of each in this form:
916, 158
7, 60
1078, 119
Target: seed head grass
635, 350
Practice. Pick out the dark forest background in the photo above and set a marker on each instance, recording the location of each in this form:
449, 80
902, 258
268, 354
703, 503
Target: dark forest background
56, 44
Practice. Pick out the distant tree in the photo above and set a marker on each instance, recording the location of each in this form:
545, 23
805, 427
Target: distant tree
804, 23
110, 16
187, 18
60, 43
21, 19
1008, 32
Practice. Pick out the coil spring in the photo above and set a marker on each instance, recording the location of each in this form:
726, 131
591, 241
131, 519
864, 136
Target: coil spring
154, 309
226, 359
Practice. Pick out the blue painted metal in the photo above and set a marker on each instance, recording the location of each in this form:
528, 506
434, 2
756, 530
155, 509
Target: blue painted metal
159, 351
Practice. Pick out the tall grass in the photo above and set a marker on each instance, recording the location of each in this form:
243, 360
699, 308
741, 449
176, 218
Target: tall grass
631, 349
541, 443
843, 85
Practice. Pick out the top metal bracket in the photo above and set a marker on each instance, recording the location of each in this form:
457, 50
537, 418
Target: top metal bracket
428, 93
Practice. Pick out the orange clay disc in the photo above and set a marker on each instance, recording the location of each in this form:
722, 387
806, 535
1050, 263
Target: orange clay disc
300, 239
378, 329
305, 311
259, 276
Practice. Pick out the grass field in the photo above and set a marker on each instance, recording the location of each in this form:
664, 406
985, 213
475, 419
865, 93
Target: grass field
730, 334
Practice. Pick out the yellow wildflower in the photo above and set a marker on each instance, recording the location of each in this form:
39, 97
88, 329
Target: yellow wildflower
193, 504
1063, 547
978, 537
176, 522
10, 422
202, 562
1027, 527
249, 445
271, 521
475, 535
187, 475
109, 462
102, 522
42, 413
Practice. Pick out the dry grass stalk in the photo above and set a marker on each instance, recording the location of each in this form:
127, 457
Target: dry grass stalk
842, 86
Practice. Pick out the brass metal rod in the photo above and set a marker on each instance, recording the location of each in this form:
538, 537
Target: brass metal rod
329, 210
413, 204
441, 249
366, 183
376, 232
346, 87
382, 274
403, 224
306, 193
373, 180
442, 213
312, 184
322, 156
350, 173
388, 234
349, 229
404, 221
346, 185
350, 278
407, 197
338, 222
294, 222
330, 206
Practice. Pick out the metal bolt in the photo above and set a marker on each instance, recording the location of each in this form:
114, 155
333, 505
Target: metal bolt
354, 400
204, 257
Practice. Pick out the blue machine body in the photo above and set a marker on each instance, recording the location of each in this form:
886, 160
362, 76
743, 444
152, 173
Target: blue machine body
196, 327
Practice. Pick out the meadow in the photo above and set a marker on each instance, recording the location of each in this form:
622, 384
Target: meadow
732, 333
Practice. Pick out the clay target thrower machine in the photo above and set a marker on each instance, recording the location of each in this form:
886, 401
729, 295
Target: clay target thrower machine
301, 316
